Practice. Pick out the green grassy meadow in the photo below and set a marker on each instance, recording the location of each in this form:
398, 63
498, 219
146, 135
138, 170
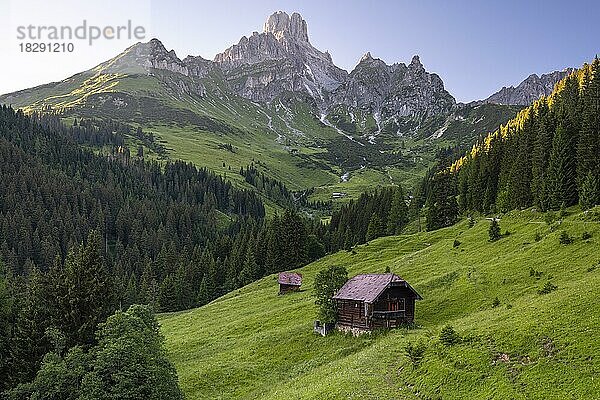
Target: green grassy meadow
254, 344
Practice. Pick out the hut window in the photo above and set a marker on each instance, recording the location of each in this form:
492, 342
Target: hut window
396, 305
401, 305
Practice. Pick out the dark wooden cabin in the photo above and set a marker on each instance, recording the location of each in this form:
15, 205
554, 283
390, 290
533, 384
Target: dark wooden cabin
372, 301
289, 282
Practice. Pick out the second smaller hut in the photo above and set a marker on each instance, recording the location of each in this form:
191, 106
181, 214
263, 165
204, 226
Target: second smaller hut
289, 282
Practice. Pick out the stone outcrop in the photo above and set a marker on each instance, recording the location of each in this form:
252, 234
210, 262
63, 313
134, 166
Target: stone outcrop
395, 89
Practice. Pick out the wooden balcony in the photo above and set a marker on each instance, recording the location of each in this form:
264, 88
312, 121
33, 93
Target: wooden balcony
389, 314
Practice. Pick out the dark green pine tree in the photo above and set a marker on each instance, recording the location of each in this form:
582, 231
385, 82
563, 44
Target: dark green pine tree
274, 257
314, 248
207, 289
131, 292
249, 270
30, 342
89, 298
562, 173
375, 228
168, 296
149, 287
5, 331
588, 149
293, 239
494, 230
540, 155
398, 215
589, 194
519, 180
442, 207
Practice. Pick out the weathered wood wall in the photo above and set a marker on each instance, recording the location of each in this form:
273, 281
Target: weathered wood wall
283, 288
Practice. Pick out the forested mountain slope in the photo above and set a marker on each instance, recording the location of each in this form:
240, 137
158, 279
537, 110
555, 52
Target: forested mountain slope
547, 156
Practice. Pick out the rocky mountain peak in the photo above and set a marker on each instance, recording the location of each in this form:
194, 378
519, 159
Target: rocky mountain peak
284, 26
391, 91
279, 59
415, 64
366, 57
142, 57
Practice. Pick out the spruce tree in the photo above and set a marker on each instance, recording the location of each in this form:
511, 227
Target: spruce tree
249, 270
375, 228
293, 240
589, 195
562, 170
274, 258
131, 292
148, 287
168, 296
398, 215
540, 156
207, 291
5, 331
588, 149
88, 299
30, 342
494, 230
442, 207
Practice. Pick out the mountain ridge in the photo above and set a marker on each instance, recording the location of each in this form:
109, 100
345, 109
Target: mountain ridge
275, 95
528, 90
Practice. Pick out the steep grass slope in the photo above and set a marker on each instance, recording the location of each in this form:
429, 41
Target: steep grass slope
253, 344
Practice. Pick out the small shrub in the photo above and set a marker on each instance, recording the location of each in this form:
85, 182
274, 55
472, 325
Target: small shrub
586, 235
537, 237
509, 306
448, 336
548, 287
534, 273
416, 352
471, 221
494, 231
456, 243
496, 302
565, 238
563, 212
549, 218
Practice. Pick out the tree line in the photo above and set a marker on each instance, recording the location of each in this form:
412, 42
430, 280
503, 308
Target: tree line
547, 157
278, 192
381, 212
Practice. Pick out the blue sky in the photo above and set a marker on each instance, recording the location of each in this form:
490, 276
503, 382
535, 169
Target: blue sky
475, 46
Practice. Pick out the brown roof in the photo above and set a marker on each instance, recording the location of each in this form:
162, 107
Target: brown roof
368, 287
290, 278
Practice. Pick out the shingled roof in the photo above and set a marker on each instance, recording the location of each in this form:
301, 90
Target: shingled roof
368, 287
290, 278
